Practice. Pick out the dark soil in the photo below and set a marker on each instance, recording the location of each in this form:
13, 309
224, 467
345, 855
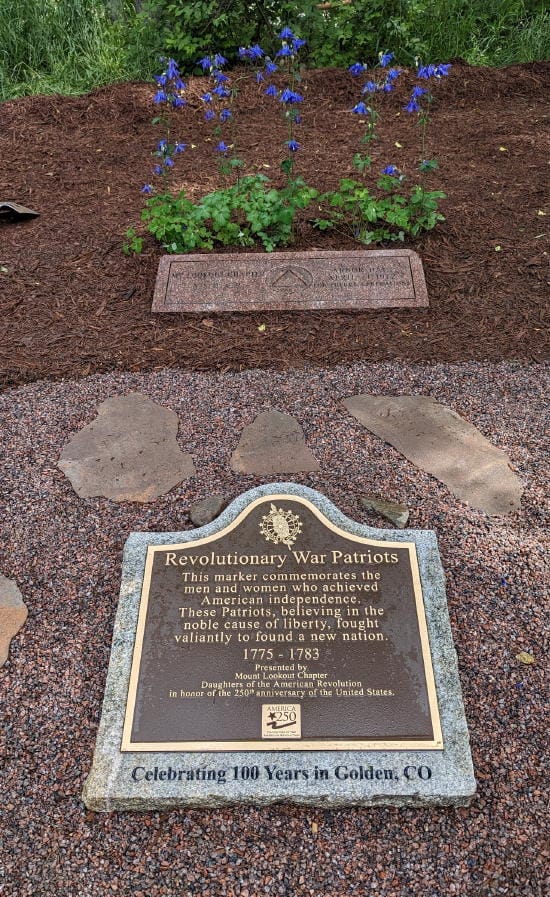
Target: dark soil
73, 304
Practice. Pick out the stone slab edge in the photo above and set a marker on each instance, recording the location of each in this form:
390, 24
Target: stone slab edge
110, 787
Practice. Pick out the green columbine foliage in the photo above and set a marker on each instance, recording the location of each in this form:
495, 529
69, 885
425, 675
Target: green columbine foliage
251, 209
243, 214
393, 210
354, 210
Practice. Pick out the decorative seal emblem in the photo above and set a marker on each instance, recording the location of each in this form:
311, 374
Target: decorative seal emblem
280, 526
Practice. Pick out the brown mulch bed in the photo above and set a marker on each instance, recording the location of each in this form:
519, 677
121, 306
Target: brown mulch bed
72, 304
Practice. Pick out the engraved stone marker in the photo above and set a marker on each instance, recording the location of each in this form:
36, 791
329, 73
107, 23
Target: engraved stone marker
283, 652
381, 278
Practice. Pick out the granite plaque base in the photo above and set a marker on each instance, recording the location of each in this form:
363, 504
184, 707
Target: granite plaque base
281, 653
290, 281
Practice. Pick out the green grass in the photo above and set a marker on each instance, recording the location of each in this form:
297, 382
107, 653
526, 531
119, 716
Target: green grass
72, 46
528, 43
483, 32
63, 46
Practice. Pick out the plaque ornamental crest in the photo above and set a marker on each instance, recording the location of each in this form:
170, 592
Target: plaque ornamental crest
280, 527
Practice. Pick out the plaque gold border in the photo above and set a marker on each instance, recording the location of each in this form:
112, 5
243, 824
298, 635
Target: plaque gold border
436, 744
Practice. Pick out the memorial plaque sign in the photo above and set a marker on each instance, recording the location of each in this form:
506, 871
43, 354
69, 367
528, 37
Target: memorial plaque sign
282, 630
360, 279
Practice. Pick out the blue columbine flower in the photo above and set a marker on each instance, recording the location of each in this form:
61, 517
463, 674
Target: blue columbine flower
390, 170
293, 145
172, 69
385, 59
219, 60
271, 91
161, 79
393, 74
418, 92
161, 145
147, 188
270, 67
179, 84
360, 109
157, 169
357, 68
412, 106
370, 87
205, 63
180, 147
177, 102
221, 91
253, 52
286, 34
297, 44
225, 114
425, 71
289, 96
209, 115
160, 97
206, 97
285, 50
222, 147
443, 69
259, 78
169, 162
220, 77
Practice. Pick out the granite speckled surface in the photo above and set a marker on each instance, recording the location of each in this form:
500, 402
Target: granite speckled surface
422, 778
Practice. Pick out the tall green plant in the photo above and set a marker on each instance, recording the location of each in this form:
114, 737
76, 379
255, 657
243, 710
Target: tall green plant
67, 46
480, 31
188, 29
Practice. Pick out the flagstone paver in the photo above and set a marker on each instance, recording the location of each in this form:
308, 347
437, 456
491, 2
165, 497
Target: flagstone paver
273, 443
128, 453
13, 613
436, 439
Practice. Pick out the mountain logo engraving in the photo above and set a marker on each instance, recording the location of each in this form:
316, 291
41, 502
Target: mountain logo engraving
290, 277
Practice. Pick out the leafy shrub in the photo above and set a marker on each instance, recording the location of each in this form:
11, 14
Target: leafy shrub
499, 32
189, 29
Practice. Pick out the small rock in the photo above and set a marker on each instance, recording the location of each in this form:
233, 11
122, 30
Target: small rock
13, 211
525, 657
128, 453
272, 443
13, 613
391, 510
207, 509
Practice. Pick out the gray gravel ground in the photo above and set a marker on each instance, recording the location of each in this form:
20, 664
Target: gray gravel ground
65, 554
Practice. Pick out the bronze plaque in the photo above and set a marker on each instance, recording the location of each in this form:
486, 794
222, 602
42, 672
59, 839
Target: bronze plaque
281, 631
279, 281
